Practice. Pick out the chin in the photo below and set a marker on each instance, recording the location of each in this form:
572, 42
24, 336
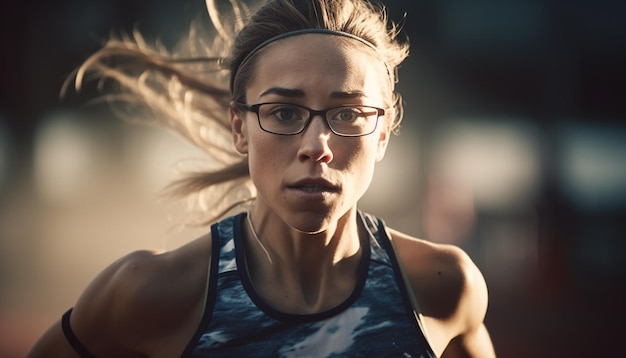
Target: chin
309, 226
315, 223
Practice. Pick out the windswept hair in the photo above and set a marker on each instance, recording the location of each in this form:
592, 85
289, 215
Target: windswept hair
187, 89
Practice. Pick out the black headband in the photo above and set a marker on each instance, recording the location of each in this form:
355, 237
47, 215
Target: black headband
235, 71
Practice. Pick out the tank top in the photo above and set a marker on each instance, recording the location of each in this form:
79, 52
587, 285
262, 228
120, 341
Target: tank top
376, 320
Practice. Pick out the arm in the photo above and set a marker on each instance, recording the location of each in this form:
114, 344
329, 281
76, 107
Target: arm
475, 343
451, 294
95, 317
143, 304
53, 344
473, 339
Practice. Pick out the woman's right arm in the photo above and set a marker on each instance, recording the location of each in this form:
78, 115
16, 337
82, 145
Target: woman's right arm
104, 316
144, 304
53, 344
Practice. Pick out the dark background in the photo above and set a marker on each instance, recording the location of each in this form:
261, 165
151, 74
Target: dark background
554, 66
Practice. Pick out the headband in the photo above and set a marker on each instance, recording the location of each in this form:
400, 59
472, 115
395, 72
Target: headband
296, 33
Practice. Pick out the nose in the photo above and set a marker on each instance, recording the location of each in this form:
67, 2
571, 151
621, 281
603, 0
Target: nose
314, 142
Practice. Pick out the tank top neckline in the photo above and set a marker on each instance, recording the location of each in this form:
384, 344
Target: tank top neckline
364, 237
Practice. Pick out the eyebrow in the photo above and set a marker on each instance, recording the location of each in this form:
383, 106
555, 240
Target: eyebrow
298, 93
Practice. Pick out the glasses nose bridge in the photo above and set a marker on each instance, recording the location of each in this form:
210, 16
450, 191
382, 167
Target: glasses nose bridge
313, 113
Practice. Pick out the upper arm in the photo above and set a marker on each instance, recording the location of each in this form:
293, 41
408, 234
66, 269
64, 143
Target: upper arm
53, 344
105, 317
472, 338
93, 317
451, 293
128, 308
141, 304
474, 343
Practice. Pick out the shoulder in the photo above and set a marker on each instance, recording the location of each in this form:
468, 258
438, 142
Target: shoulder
448, 286
141, 296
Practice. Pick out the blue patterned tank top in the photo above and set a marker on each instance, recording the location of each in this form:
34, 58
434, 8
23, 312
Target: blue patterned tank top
377, 320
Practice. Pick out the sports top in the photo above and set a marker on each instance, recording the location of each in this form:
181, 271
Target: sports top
376, 320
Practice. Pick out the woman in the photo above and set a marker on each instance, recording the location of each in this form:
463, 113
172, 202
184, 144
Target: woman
302, 272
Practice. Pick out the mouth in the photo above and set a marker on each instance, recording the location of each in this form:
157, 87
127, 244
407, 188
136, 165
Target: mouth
315, 186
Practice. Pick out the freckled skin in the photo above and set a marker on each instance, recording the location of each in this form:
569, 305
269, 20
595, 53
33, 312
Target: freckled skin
317, 65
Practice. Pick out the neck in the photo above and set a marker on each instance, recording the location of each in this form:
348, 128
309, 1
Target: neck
282, 244
310, 271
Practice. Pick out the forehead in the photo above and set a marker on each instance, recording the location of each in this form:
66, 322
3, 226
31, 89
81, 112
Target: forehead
318, 65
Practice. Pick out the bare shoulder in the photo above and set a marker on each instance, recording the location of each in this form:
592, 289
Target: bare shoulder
141, 297
448, 286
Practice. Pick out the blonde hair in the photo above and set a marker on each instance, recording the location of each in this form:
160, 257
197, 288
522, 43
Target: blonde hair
187, 89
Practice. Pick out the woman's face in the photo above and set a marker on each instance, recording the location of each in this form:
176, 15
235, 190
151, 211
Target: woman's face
314, 178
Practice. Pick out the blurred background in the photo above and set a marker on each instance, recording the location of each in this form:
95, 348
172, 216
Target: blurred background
513, 147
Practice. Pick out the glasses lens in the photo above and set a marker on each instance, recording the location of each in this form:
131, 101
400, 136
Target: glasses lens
282, 118
353, 120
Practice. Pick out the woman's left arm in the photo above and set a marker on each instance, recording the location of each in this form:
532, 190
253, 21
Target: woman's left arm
450, 294
473, 341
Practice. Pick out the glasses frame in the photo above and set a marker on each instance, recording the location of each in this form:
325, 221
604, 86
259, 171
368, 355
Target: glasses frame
254, 108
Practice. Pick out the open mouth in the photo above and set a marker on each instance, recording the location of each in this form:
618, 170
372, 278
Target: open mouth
315, 186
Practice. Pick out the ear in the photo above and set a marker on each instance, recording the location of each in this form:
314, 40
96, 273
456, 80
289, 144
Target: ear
239, 130
383, 141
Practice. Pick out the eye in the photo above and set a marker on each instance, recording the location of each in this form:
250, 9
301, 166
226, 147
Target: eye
347, 114
286, 113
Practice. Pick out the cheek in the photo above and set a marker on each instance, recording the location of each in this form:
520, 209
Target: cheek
357, 157
373, 154
265, 155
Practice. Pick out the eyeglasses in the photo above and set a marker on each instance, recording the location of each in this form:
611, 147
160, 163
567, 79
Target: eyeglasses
290, 119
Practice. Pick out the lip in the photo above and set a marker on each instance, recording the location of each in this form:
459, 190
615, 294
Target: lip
314, 186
